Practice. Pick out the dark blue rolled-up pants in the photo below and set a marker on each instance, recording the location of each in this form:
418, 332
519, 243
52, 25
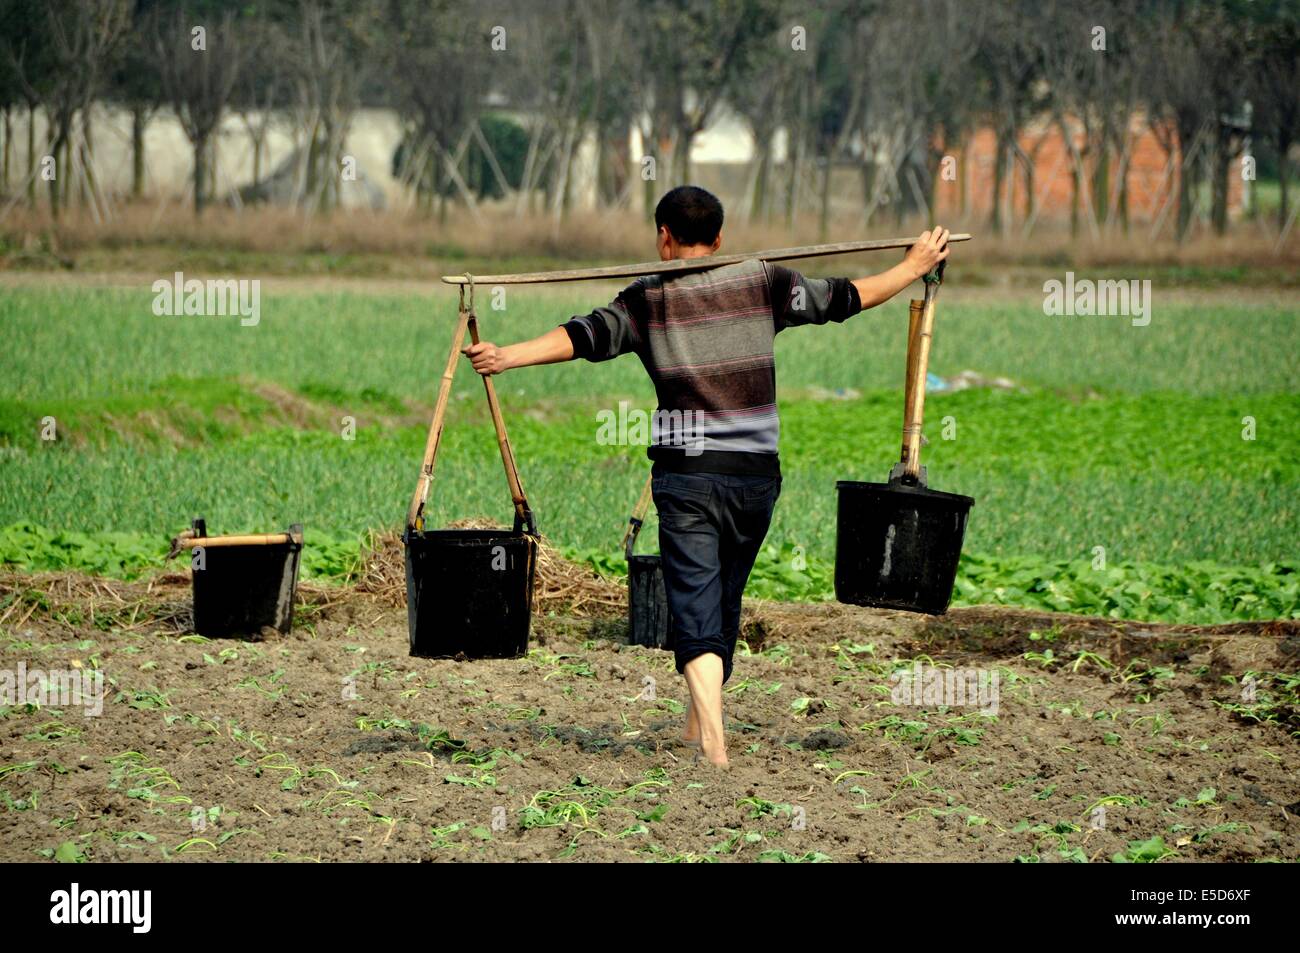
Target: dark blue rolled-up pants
711, 527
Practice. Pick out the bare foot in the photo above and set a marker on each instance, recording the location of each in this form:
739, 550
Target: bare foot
717, 757
702, 760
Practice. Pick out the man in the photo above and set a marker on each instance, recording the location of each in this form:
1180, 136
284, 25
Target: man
705, 339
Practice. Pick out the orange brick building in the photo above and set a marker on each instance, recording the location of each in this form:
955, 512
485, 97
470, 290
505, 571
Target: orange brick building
1152, 175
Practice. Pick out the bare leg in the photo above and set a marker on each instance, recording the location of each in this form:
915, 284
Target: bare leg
691, 735
704, 678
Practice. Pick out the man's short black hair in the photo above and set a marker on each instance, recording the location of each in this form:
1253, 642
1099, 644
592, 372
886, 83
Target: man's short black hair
693, 215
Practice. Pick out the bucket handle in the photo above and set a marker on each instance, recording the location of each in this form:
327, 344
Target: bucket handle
920, 330
466, 320
523, 515
197, 536
638, 518
415, 514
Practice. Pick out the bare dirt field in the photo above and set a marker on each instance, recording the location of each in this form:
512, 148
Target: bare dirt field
332, 743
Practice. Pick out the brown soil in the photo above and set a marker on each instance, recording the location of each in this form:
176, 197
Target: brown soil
331, 743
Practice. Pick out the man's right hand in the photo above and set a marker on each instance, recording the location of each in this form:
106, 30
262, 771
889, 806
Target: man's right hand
930, 249
487, 358
551, 348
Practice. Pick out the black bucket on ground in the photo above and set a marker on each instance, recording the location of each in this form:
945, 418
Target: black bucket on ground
469, 592
647, 603
647, 599
897, 546
242, 589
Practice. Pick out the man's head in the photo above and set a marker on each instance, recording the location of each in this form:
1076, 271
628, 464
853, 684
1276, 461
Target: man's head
689, 221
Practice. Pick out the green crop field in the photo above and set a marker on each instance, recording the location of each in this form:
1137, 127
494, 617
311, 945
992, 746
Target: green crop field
1113, 477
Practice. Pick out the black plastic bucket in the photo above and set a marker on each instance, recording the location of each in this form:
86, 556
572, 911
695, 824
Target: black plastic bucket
897, 546
469, 592
647, 603
242, 589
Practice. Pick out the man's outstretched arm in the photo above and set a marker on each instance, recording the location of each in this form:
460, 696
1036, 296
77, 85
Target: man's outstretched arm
604, 334
798, 300
922, 258
551, 348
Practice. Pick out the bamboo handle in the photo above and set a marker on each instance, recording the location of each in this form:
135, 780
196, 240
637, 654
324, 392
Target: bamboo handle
262, 539
915, 309
638, 517
911, 458
415, 515
643, 501
503, 441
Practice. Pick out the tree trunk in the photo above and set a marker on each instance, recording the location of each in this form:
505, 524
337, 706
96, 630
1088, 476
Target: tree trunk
758, 198
602, 177
213, 142
65, 168
89, 186
54, 186
200, 174
1221, 170
648, 185
565, 170
526, 178
59, 151
999, 175
31, 156
794, 159
1184, 202
620, 168
9, 141
328, 168
429, 177
868, 187
1027, 163
1123, 203
929, 188
313, 160
1185, 136
963, 189
1283, 208
137, 151
899, 202
824, 214
1101, 184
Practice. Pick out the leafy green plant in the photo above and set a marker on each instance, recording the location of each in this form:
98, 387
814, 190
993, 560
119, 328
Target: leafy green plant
1148, 851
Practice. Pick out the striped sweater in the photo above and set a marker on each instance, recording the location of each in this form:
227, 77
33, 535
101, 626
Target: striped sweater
706, 340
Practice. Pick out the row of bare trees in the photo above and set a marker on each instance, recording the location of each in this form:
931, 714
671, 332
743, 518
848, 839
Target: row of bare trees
887, 87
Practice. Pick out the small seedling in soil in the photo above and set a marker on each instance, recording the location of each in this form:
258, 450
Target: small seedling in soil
1046, 659
69, 852
1159, 722
143, 699
784, 857
1144, 852
1230, 827
1204, 797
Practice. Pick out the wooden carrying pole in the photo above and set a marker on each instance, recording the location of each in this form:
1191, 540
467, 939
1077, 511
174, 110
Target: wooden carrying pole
688, 264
